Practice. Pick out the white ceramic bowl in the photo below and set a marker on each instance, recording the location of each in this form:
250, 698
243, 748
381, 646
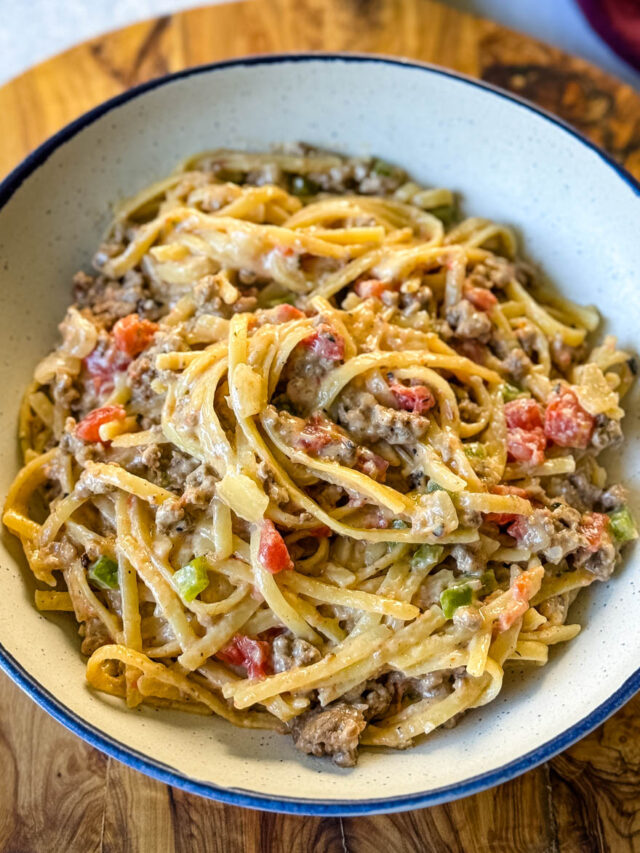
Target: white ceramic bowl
578, 213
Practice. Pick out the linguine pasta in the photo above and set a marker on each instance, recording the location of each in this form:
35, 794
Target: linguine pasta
317, 455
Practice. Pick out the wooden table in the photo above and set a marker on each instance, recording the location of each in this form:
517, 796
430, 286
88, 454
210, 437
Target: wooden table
58, 794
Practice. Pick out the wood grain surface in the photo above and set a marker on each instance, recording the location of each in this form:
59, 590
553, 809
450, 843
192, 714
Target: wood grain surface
57, 793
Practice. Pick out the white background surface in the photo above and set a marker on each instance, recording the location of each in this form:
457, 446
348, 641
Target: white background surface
32, 30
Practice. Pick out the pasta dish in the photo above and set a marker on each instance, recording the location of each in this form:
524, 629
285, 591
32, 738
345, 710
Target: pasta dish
316, 454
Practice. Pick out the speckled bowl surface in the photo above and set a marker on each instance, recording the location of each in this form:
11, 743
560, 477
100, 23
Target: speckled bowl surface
577, 214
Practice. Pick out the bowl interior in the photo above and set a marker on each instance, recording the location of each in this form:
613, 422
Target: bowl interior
578, 219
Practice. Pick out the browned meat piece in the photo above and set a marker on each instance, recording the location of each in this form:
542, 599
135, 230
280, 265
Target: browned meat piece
469, 411
537, 530
109, 300
141, 374
334, 730
417, 300
562, 533
305, 372
64, 390
470, 559
565, 356
372, 698
493, 272
607, 433
368, 421
602, 563
199, 487
289, 651
527, 336
468, 618
81, 451
435, 685
576, 489
517, 364
556, 608
95, 635
208, 299
168, 467
358, 175
468, 323
277, 493
554, 534
169, 514
317, 436
613, 498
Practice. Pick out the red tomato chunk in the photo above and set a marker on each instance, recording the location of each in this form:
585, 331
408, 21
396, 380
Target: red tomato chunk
595, 528
473, 350
526, 441
132, 335
102, 365
413, 398
501, 489
253, 655
322, 532
523, 588
272, 551
566, 423
326, 343
519, 528
89, 427
371, 464
524, 413
526, 445
480, 298
318, 432
371, 287
283, 313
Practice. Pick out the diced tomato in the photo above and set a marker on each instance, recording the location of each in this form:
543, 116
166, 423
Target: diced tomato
595, 528
371, 288
526, 445
282, 314
102, 365
413, 398
253, 655
518, 528
480, 298
318, 432
326, 343
523, 588
524, 413
501, 517
509, 490
371, 464
271, 633
89, 426
526, 441
287, 251
322, 532
272, 551
566, 423
132, 334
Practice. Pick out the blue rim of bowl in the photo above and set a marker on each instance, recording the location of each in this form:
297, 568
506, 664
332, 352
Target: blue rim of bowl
240, 797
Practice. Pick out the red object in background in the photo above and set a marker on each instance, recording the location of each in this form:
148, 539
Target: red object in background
618, 23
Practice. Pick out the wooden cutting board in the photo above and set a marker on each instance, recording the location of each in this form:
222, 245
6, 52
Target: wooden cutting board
58, 794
